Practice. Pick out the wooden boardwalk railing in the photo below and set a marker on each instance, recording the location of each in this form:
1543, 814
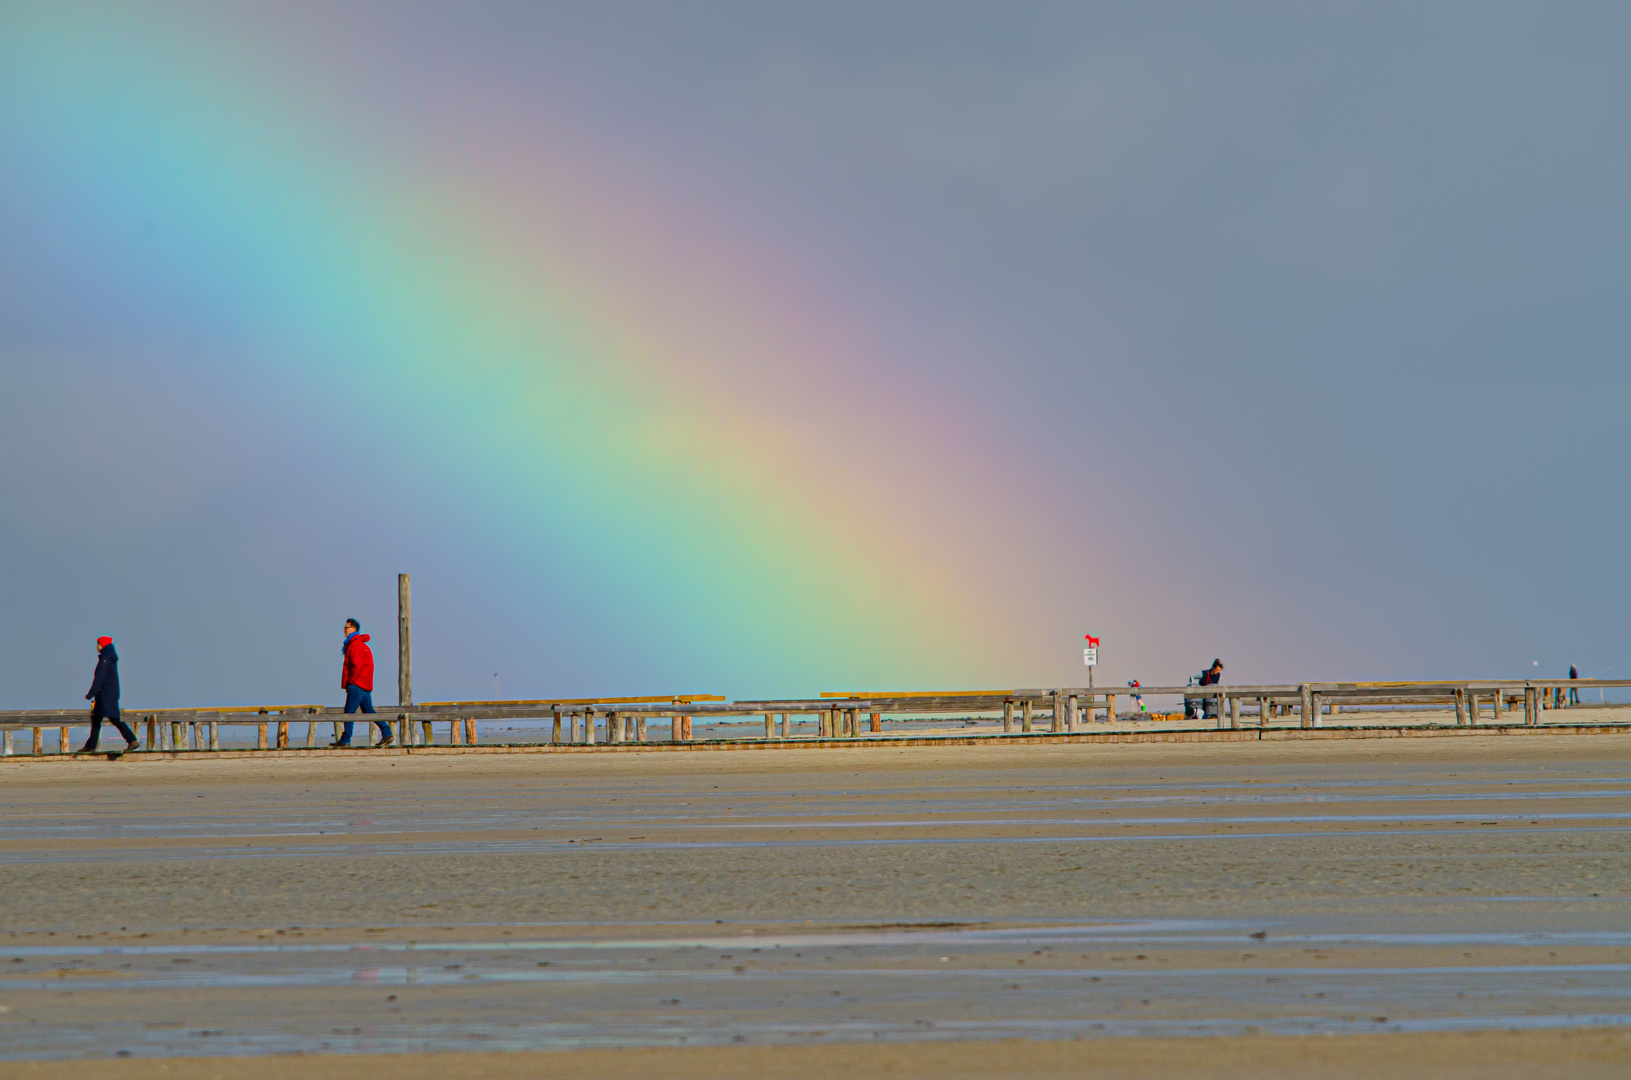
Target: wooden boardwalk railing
624, 719
1068, 707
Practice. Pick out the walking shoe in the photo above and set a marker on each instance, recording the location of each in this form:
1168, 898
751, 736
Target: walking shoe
132, 744
339, 744
387, 741
88, 748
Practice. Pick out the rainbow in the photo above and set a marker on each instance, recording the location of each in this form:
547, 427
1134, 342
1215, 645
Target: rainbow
669, 441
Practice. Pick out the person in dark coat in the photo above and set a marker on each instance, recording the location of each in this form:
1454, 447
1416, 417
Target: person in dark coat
104, 697
1212, 676
357, 680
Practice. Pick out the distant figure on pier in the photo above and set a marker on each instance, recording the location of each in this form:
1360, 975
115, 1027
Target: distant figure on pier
1212, 676
357, 679
1574, 691
104, 696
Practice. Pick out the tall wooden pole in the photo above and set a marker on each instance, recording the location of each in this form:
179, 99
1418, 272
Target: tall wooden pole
404, 642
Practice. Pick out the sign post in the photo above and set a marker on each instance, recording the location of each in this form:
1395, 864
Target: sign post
1090, 657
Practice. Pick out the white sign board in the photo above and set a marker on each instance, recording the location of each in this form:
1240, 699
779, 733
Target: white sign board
1090, 657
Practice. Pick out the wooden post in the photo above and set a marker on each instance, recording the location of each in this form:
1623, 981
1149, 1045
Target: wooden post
1109, 708
1308, 705
687, 723
1008, 718
6, 752
1058, 713
1529, 706
1499, 702
1319, 720
152, 733
1025, 716
260, 735
555, 727
455, 732
427, 734
877, 723
676, 731
215, 734
640, 728
39, 739
1460, 706
770, 725
851, 719
404, 641
614, 727
1472, 706
283, 734
1234, 714
787, 725
1072, 713
472, 731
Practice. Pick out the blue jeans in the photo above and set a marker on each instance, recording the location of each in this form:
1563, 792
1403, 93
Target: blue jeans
356, 696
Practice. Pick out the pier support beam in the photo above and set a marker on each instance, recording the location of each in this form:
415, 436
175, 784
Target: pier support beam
404, 641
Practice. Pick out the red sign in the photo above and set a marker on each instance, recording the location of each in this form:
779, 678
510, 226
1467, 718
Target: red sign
1093, 641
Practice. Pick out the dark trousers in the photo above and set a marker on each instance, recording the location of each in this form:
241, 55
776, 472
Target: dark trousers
96, 728
356, 697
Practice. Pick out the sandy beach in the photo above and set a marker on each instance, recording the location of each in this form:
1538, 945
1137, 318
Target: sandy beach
1121, 910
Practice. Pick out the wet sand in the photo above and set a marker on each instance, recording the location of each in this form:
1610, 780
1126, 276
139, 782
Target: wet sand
914, 905
1474, 1056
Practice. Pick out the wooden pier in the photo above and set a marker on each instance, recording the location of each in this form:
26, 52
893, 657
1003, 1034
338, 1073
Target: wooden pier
1230, 713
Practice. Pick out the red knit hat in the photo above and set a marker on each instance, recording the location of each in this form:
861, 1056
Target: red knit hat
101, 641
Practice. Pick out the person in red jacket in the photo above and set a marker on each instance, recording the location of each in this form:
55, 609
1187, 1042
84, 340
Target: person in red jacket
357, 678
